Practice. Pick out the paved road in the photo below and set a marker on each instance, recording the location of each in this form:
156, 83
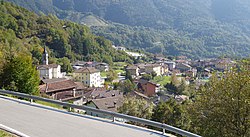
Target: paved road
39, 121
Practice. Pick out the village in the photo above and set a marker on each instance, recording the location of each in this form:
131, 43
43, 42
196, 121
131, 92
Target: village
90, 84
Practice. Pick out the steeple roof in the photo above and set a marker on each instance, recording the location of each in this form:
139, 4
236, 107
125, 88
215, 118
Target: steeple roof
45, 51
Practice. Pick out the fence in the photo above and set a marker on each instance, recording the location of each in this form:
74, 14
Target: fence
112, 114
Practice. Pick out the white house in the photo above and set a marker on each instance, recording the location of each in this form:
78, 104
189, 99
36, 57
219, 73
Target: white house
89, 76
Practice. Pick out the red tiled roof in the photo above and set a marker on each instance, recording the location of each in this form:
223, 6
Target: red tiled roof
57, 86
80, 86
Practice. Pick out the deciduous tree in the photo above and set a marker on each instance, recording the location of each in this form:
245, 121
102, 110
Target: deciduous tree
137, 107
171, 113
222, 107
20, 75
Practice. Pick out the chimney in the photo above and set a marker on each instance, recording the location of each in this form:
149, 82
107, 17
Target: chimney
46, 88
74, 92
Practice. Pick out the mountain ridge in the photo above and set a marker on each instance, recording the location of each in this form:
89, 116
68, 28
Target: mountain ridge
196, 28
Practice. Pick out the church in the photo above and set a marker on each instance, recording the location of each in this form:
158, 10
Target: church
46, 70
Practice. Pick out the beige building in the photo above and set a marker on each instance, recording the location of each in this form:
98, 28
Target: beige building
149, 68
89, 76
133, 70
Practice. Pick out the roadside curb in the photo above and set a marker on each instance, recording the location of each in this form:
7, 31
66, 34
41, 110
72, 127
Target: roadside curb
13, 131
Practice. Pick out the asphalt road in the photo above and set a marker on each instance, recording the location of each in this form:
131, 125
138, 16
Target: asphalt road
39, 121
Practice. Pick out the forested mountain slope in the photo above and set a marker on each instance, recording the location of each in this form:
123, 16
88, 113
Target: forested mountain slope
24, 31
196, 28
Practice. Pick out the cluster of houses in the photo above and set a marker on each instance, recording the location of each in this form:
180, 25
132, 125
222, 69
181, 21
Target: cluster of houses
190, 71
86, 86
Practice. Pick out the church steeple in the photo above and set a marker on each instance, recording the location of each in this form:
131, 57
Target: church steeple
45, 57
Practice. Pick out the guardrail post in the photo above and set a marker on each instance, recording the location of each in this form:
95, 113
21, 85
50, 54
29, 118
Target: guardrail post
113, 118
163, 131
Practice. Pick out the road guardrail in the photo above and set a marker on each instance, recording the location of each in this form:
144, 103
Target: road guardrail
162, 126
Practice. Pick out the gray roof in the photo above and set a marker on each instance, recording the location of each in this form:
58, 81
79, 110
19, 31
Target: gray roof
47, 66
52, 80
110, 104
87, 70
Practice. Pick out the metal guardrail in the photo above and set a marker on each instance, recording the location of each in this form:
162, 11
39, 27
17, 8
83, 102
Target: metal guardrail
112, 114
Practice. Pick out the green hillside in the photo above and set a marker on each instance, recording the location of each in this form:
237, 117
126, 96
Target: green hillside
196, 28
24, 31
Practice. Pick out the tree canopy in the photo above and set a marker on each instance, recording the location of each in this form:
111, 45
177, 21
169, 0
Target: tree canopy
222, 107
137, 107
171, 113
18, 74
64, 39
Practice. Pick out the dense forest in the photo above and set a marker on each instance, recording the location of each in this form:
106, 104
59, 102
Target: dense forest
198, 29
26, 32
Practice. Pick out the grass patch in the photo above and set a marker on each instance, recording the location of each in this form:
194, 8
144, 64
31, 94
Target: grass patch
48, 104
5, 134
121, 64
119, 71
103, 74
163, 80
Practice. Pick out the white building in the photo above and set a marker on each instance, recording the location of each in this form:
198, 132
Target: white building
89, 76
48, 71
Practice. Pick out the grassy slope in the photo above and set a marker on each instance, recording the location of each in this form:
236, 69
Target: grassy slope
5, 134
162, 80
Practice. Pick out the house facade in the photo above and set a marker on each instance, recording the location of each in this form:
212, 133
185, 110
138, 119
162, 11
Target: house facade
49, 71
149, 68
148, 88
133, 70
89, 76
183, 67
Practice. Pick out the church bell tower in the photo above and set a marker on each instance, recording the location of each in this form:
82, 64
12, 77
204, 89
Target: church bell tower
45, 57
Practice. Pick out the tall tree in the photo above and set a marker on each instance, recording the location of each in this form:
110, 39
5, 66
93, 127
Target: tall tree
65, 64
20, 75
128, 76
222, 107
111, 75
127, 86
